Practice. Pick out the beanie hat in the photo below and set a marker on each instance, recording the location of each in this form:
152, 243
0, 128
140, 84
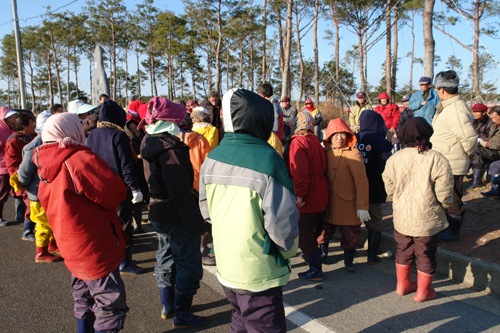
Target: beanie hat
448, 79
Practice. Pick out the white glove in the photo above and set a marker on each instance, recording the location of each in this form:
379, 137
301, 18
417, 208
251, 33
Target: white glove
137, 196
363, 215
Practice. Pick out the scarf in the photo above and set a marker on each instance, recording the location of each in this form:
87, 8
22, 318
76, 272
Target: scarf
310, 107
163, 126
65, 129
304, 124
160, 108
107, 124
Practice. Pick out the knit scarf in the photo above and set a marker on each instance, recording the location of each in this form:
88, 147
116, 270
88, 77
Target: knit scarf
107, 124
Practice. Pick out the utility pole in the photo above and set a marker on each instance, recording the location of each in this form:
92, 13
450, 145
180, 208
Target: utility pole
20, 70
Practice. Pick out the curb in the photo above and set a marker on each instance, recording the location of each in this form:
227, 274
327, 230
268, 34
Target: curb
470, 271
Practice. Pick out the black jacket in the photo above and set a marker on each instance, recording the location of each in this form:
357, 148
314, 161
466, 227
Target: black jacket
483, 127
405, 115
376, 150
169, 174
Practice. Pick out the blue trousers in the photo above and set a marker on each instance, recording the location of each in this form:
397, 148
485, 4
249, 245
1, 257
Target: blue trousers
178, 260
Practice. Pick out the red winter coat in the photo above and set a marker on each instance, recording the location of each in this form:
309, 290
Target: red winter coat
307, 167
390, 112
14, 152
80, 195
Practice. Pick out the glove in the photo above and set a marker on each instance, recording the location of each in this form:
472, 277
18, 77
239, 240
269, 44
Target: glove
137, 196
363, 215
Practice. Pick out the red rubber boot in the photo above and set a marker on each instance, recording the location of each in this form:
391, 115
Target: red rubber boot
424, 291
405, 286
53, 249
43, 255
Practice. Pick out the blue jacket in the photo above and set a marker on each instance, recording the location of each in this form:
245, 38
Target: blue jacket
113, 145
375, 149
429, 109
27, 171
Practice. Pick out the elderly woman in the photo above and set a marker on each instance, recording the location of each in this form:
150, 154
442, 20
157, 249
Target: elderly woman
307, 165
80, 193
348, 202
418, 218
173, 212
202, 125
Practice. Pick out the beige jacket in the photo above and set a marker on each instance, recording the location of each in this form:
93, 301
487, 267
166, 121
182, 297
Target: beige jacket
422, 188
356, 112
454, 136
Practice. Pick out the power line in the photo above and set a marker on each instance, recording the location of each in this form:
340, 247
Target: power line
38, 16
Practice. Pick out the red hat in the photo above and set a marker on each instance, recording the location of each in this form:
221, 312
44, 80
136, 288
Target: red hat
285, 99
192, 103
479, 107
308, 101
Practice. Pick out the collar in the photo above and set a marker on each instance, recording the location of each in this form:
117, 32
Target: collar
444, 104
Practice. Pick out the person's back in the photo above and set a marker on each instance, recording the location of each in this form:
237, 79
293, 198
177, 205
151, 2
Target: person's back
198, 151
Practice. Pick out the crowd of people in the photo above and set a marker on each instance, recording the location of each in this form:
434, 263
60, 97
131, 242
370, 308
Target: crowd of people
250, 176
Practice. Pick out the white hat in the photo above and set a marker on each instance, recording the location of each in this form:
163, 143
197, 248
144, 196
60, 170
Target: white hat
10, 113
200, 109
78, 107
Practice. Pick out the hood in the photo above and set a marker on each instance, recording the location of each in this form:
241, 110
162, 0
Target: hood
5, 130
143, 110
384, 95
246, 112
113, 113
153, 145
371, 122
190, 138
135, 105
40, 120
336, 126
49, 159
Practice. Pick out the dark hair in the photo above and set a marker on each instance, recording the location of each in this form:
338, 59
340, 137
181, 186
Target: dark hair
213, 93
265, 89
83, 98
495, 109
22, 119
451, 91
103, 95
55, 107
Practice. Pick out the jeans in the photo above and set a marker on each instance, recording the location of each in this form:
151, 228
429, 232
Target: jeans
178, 259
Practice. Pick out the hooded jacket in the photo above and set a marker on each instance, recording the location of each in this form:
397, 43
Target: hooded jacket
113, 145
80, 194
5, 132
198, 151
248, 208
390, 112
169, 174
375, 150
346, 176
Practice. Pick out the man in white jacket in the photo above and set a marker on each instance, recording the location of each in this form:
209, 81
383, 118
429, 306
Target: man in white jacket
455, 138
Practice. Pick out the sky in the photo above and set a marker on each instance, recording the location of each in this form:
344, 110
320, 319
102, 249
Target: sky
445, 46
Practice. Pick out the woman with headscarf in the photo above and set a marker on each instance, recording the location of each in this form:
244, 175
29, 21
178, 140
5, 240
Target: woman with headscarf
80, 193
174, 212
202, 125
307, 166
420, 181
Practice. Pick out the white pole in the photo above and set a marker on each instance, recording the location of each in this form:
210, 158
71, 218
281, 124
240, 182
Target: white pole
20, 70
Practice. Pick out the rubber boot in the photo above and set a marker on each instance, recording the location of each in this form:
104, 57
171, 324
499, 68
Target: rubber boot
452, 233
314, 273
183, 317
3, 223
373, 245
167, 296
477, 179
424, 290
43, 255
204, 249
86, 325
28, 231
405, 286
495, 188
127, 267
324, 251
348, 260
53, 249
20, 209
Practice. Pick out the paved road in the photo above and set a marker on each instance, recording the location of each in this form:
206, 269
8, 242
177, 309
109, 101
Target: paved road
37, 297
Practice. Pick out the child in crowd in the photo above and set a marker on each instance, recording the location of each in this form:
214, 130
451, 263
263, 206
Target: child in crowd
80, 193
348, 203
7, 118
24, 127
202, 125
307, 166
375, 150
421, 183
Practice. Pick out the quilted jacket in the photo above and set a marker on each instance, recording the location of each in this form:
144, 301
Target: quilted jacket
454, 136
422, 188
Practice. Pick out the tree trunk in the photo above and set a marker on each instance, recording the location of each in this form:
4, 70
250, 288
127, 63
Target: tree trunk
337, 40
361, 57
68, 79
251, 64
428, 39
209, 70
240, 82
365, 46
193, 79
227, 69
301, 61
475, 61
316, 65
76, 72
138, 76
218, 50
264, 19
49, 74
182, 81
280, 38
286, 68
395, 53
113, 50
412, 50
388, 47
90, 73
126, 74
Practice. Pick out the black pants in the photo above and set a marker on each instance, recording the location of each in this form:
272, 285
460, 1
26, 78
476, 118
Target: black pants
424, 248
125, 211
485, 156
457, 207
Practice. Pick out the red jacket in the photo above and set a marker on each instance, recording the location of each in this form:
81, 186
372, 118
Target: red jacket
80, 195
14, 152
390, 112
307, 166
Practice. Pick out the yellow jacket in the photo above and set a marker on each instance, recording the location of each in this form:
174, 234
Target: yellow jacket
209, 132
275, 142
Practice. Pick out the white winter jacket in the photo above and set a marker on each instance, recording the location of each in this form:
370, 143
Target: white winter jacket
422, 188
454, 136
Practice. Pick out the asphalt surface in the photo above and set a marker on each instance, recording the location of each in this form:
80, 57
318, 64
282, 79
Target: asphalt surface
38, 297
